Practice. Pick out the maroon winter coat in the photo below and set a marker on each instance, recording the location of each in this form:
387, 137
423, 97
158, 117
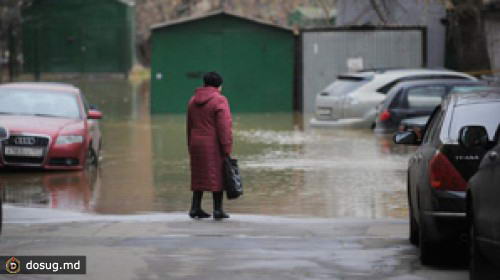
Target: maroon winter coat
209, 137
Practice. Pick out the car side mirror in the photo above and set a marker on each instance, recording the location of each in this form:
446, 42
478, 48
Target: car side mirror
406, 138
94, 115
4, 133
473, 136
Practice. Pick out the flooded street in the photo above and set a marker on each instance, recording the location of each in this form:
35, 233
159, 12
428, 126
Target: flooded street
287, 171
318, 203
106, 106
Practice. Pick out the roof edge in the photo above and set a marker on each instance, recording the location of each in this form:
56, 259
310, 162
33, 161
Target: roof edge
215, 13
365, 28
127, 2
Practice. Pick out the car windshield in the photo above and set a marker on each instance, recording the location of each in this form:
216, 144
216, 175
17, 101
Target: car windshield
476, 114
38, 103
344, 85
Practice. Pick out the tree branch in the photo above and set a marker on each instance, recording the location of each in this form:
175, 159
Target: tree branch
326, 10
378, 11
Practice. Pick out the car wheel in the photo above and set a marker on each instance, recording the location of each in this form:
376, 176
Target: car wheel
476, 260
480, 268
428, 250
1, 214
92, 158
412, 222
1, 208
414, 234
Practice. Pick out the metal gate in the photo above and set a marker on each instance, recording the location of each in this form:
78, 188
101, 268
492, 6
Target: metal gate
326, 53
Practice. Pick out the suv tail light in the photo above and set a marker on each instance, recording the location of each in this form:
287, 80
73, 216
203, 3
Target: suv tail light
385, 115
444, 176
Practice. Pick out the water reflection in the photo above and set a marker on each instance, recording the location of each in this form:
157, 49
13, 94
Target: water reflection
62, 190
287, 171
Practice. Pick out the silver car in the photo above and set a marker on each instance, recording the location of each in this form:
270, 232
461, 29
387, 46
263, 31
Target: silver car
351, 100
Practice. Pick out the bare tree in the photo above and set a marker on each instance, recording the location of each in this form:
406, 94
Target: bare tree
466, 36
327, 7
10, 34
378, 10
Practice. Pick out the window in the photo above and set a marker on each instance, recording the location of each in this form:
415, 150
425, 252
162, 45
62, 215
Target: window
469, 88
344, 85
386, 88
398, 101
434, 126
426, 97
436, 135
484, 114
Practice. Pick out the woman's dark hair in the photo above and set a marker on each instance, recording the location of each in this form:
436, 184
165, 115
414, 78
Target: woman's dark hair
212, 79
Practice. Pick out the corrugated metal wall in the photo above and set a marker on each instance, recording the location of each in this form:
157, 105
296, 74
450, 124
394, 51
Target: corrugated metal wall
325, 54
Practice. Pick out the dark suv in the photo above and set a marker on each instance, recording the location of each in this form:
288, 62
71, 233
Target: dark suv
483, 209
439, 170
415, 99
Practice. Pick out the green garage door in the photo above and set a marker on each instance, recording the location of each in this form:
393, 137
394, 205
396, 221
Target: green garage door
178, 73
256, 61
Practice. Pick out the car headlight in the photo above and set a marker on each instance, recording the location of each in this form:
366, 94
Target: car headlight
69, 139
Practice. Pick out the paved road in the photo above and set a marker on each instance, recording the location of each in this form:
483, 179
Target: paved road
171, 246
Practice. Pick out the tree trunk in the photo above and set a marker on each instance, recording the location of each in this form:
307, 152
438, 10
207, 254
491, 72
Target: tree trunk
466, 42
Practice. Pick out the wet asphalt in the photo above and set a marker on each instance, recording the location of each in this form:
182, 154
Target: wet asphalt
172, 246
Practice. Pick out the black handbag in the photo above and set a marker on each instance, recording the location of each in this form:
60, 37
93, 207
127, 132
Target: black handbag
232, 178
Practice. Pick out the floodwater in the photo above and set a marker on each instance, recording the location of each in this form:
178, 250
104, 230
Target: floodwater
286, 171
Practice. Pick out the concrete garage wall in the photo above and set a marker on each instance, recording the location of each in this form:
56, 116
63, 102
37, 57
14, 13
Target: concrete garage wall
325, 54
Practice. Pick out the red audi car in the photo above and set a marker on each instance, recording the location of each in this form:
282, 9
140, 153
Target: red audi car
51, 126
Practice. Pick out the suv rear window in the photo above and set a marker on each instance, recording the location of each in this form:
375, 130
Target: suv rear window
345, 84
484, 114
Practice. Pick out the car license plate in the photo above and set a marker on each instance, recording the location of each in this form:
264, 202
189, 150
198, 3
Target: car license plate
324, 112
23, 151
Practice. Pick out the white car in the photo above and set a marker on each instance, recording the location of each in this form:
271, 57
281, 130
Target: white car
351, 100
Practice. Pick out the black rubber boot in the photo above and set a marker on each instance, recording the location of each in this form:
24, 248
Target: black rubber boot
218, 211
196, 212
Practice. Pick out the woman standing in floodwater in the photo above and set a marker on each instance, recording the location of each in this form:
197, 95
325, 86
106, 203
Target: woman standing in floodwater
210, 140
